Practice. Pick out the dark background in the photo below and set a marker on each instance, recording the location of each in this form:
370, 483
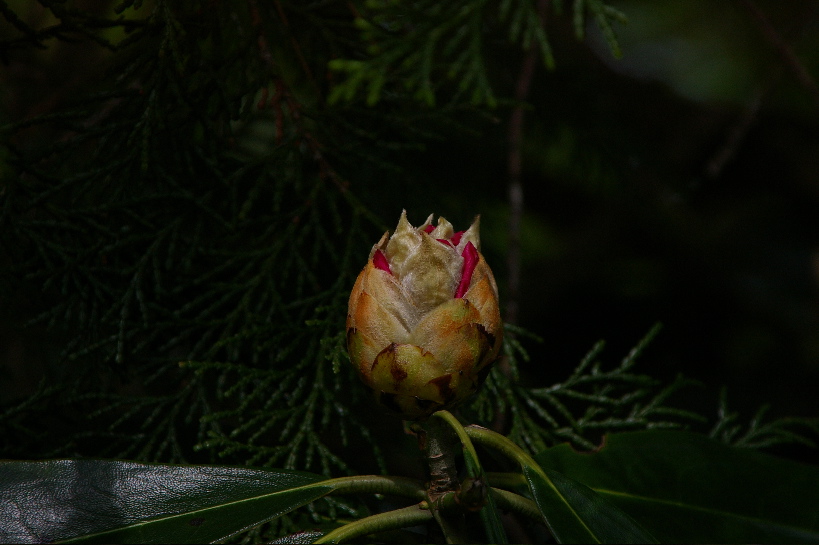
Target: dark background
677, 185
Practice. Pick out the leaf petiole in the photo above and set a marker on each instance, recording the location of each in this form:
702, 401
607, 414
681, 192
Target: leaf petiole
376, 484
391, 520
573, 512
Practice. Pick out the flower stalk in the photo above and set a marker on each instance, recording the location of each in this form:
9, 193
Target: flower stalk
439, 445
444, 499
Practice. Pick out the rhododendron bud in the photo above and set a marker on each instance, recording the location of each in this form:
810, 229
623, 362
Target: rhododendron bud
423, 325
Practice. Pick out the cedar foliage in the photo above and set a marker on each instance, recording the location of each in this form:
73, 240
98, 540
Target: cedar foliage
183, 224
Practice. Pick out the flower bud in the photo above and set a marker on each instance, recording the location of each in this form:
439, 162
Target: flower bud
423, 324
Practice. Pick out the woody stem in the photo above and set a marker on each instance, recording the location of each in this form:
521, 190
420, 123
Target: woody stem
439, 445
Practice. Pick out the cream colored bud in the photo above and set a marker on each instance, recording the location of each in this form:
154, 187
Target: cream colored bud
423, 324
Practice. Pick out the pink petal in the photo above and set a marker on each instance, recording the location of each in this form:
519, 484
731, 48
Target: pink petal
470, 255
380, 262
443, 241
428, 229
456, 238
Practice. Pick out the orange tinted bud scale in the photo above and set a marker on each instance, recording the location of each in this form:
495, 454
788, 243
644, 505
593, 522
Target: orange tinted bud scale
423, 324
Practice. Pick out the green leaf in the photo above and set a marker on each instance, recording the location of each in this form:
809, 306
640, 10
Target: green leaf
576, 514
93, 501
573, 512
490, 517
685, 487
298, 538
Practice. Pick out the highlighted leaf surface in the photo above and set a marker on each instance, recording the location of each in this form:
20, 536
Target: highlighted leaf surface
106, 501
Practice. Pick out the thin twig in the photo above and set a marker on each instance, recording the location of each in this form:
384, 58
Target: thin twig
735, 137
739, 130
515, 166
784, 49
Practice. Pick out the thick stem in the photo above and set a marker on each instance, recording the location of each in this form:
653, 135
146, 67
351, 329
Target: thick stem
440, 444
469, 450
474, 490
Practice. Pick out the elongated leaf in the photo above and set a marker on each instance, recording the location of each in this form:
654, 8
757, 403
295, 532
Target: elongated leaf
491, 518
576, 514
685, 487
573, 512
94, 501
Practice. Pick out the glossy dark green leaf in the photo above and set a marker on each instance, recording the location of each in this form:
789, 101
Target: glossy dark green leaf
573, 512
685, 487
299, 538
95, 501
576, 514
490, 517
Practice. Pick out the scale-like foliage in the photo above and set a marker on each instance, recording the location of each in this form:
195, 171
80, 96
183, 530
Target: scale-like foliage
759, 433
187, 212
185, 227
579, 410
183, 224
423, 46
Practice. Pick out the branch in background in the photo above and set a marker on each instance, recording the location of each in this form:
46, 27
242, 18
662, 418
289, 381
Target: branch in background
740, 128
783, 49
515, 164
515, 136
735, 137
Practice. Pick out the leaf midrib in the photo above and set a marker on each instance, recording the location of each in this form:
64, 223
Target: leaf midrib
565, 501
794, 530
198, 511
